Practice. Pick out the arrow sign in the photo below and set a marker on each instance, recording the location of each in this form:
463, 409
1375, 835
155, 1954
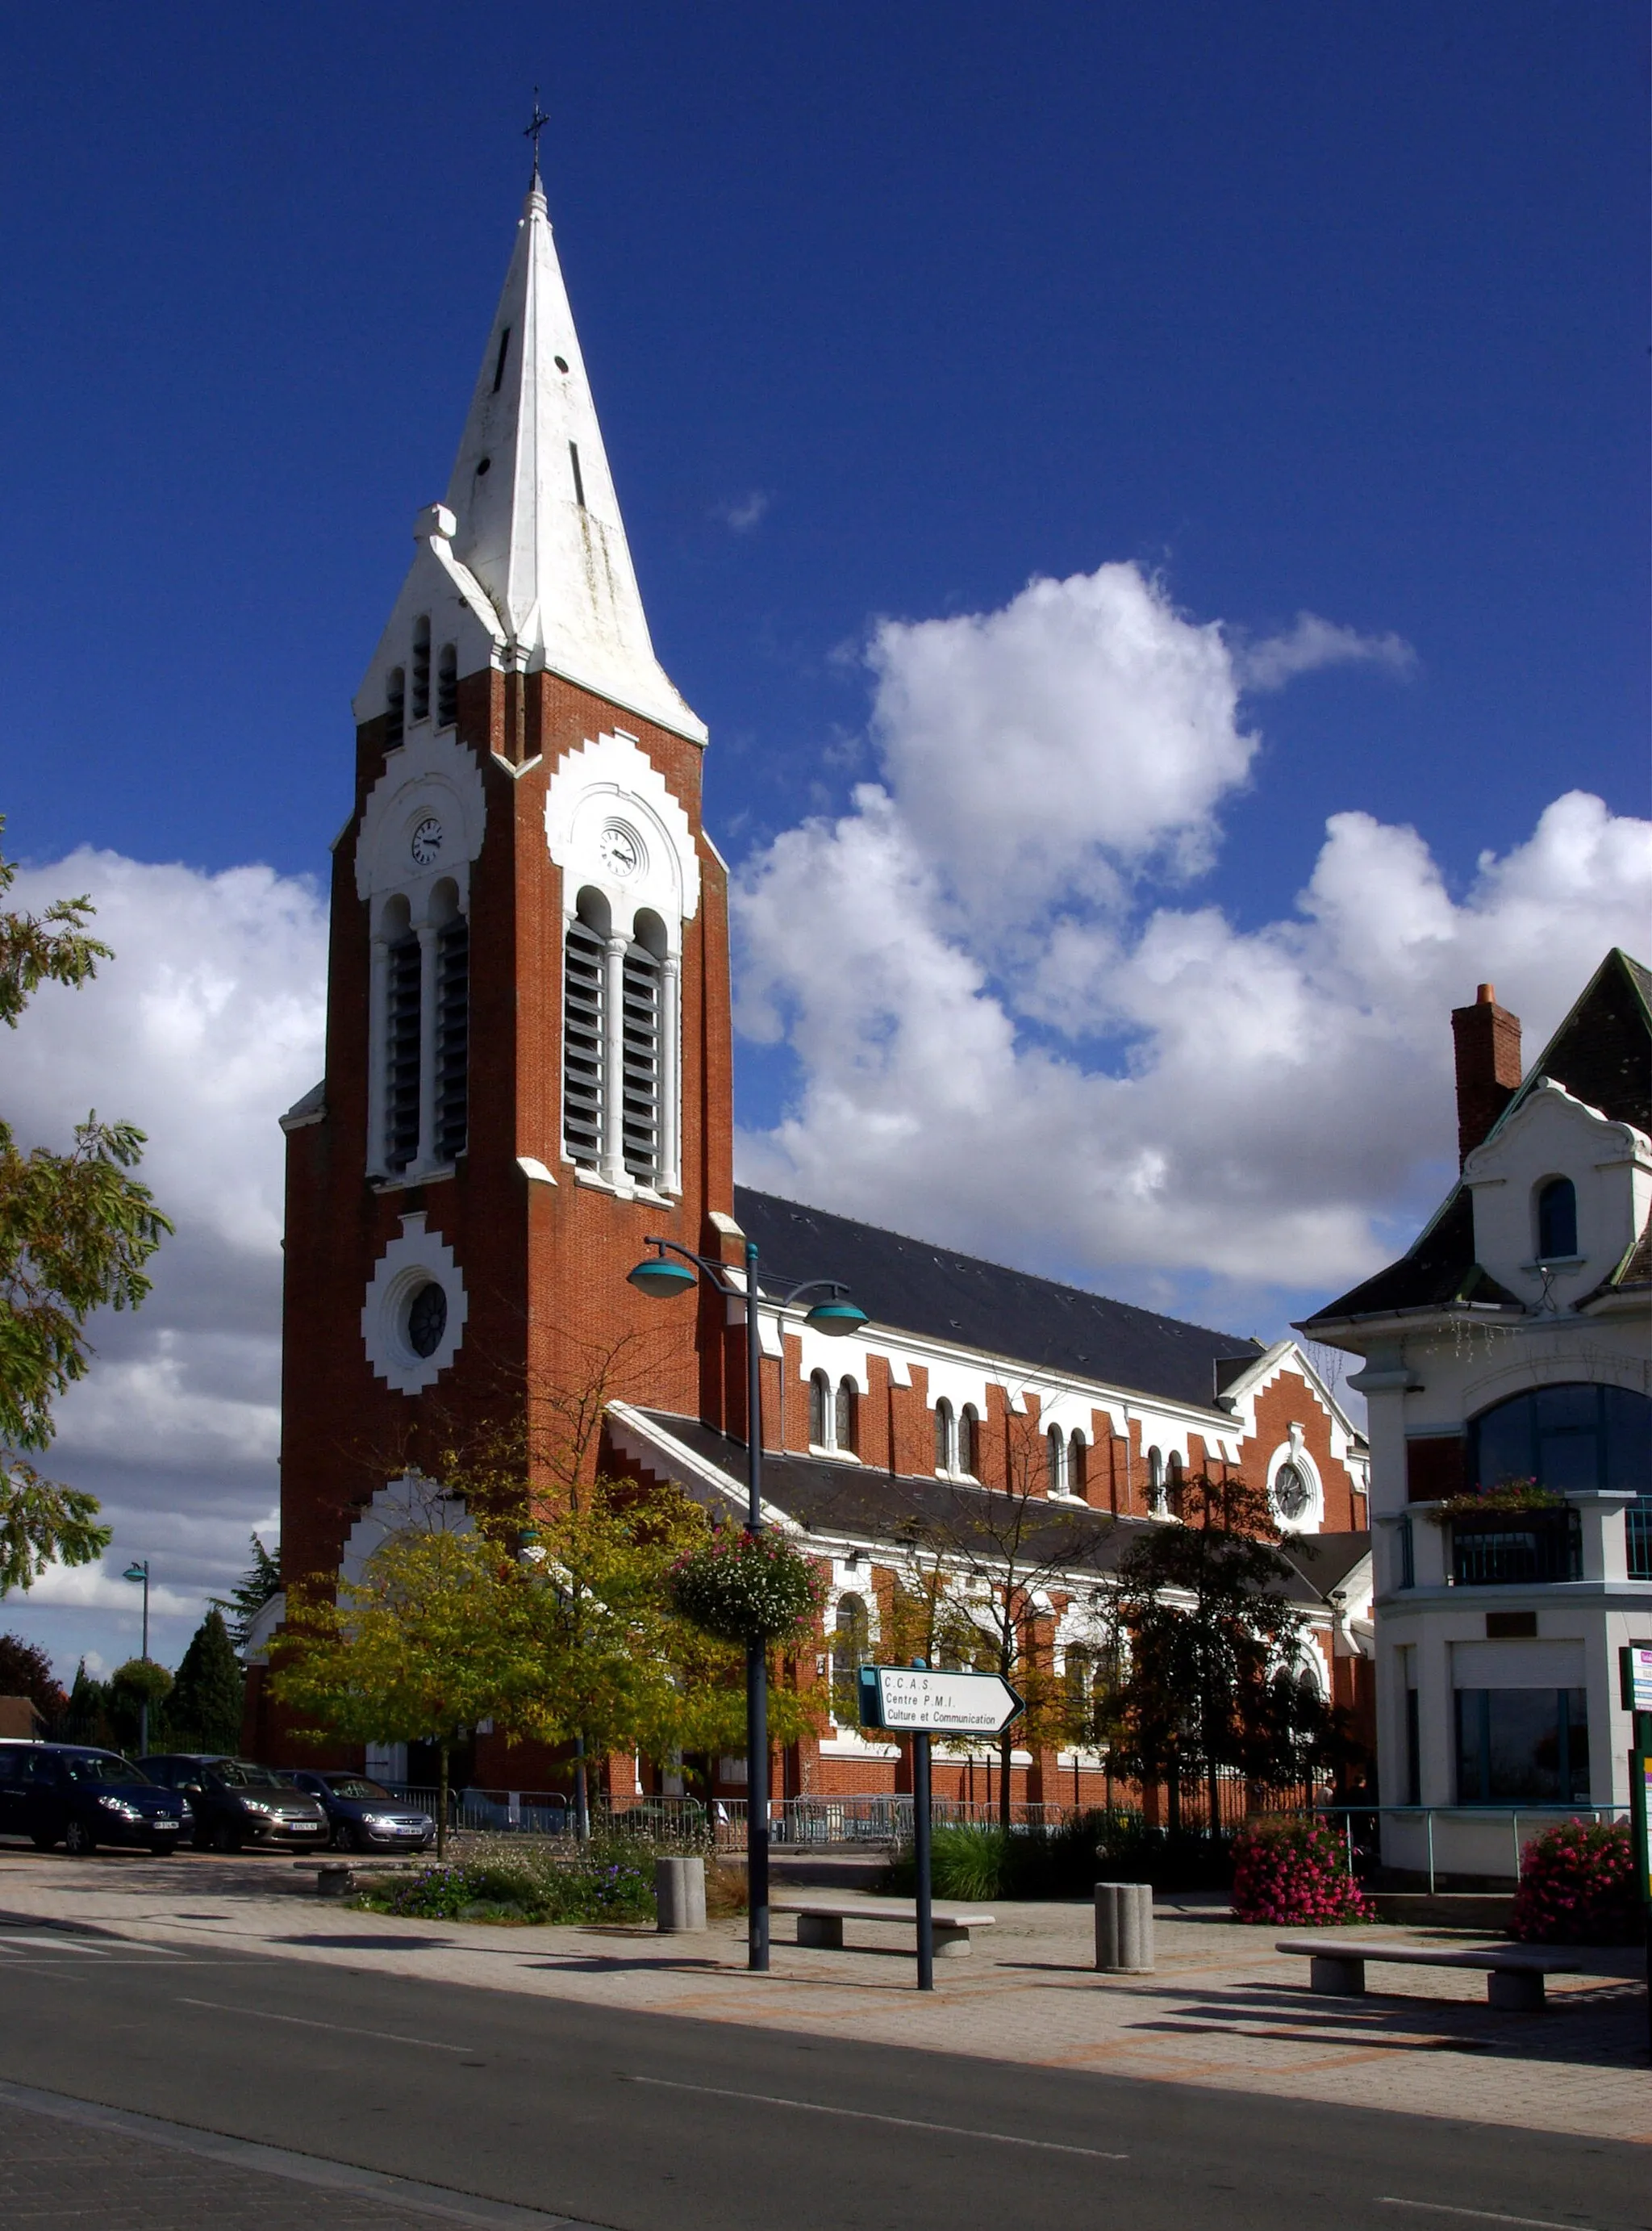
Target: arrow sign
904, 1699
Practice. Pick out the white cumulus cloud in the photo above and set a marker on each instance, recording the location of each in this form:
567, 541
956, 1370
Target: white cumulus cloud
1313, 643
1013, 1029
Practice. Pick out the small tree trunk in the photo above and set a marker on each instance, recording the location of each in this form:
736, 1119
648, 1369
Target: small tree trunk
1213, 1783
1173, 1800
1006, 1756
441, 1800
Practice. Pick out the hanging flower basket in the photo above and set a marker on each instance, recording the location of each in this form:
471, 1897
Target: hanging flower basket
748, 1587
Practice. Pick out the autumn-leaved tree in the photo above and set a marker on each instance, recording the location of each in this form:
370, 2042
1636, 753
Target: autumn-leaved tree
76, 1230
429, 1640
1211, 1646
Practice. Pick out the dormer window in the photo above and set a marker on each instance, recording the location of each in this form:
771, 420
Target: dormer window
447, 687
394, 708
1557, 1219
422, 668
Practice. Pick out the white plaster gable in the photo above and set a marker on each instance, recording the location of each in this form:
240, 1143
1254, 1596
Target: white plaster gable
1551, 1134
610, 785
432, 777
437, 588
539, 524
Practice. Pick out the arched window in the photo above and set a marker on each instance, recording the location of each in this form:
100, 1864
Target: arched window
447, 687
1078, 1467
845, 1423
585, 1098
969, 1433
403, 990
451, 1082
851, 1649
1557, 1219
1155, 1479
1173, 1486
422, 668
820, 1408
1078, 1678
641, 975
1056, 1461
394, 708
946, 1436
1292, 1493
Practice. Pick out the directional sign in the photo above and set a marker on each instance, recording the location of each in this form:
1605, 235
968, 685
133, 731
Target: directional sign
906, 1698
1635, 1664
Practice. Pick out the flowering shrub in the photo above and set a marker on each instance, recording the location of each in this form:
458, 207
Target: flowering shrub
436, 1894
1577, 1887
748, 1587
1293, 1873
1507, 1495
609, 1879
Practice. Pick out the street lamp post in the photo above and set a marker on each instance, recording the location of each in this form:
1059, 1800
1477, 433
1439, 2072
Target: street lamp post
836, 1314
138, 1570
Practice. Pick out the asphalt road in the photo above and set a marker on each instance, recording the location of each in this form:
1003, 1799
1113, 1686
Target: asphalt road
657, 2123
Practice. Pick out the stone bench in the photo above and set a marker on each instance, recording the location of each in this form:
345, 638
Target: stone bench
1514, 1974
337, 1877
820, 1920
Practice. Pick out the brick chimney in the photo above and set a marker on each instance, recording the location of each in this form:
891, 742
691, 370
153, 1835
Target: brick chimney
1488, 1040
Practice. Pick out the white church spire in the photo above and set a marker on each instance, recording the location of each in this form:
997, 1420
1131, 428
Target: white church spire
538, 525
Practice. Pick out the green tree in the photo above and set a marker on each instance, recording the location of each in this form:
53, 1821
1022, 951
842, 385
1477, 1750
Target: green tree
260, 1582
204, 1712
138, 1683
429, 1640
87, 1718
76, 1232
26, 1671
1210, 1648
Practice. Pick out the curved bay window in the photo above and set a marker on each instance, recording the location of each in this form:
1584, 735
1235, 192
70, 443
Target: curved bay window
1563, 1438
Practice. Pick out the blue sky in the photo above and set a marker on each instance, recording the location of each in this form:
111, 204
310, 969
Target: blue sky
1213, 315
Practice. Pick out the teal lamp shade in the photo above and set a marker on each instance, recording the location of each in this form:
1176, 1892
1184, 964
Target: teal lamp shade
659, 1276
135, 1573
837, 1316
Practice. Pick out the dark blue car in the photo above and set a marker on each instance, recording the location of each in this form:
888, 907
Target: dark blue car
70, 1795
363, 1816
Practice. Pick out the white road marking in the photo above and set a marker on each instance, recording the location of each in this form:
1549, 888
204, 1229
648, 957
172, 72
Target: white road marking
1480, 2215
344, 2029
901, 2122
45, 1938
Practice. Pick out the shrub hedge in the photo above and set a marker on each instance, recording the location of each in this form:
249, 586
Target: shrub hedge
1577, 1886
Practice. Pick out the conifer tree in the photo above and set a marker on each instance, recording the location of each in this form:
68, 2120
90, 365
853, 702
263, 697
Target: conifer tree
204, 1710
260, 1580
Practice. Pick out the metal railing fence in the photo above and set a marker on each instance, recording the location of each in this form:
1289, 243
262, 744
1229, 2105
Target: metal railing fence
1547, 1816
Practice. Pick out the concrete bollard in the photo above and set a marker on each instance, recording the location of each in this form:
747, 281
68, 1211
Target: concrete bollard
679, 1895
1124, 1928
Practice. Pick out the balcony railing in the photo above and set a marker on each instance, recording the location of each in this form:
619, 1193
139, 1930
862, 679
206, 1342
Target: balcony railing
1516, 1548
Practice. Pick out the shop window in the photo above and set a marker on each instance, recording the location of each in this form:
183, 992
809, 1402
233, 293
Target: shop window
1522, 1746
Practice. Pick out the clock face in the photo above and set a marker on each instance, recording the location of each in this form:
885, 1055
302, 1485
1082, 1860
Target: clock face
619, 851
427, 841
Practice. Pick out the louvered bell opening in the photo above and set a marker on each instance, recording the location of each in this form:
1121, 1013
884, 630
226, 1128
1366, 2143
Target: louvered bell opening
395, 710
447, 687
641, 1116
452, 1039
402, 1055
422, 670
582, 1045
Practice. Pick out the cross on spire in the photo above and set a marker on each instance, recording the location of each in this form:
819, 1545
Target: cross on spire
540, 119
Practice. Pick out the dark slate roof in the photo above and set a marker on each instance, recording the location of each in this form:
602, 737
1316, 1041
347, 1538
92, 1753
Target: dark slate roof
913, 1285
856, 1500
1326, 1560
1602, 1053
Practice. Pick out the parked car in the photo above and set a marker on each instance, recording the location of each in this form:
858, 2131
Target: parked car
71, 1794
364, 1814
236, 1802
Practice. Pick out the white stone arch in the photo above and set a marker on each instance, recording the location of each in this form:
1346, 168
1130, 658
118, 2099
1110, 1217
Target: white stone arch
608, 787
417, 1258
1292, 1452
407, 1505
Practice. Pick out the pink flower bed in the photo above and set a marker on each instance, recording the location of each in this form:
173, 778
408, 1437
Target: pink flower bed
1293, 1873
1577, 1887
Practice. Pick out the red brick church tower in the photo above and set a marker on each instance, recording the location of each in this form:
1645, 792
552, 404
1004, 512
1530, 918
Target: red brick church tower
527, 1048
